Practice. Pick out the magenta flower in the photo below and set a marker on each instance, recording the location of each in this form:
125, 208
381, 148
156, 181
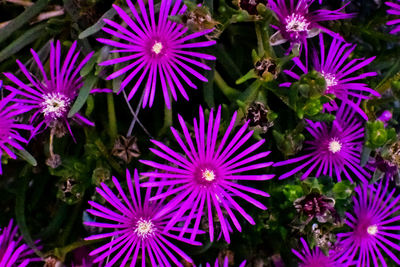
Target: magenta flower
315, 257
333, 67
336, 148
157, 48
224, 264
296, 23
12, 251
374, 227
394, 10
207, 173
9, 127
51, 96
139, 225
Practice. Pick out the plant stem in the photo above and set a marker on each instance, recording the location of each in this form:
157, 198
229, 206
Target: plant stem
112, 118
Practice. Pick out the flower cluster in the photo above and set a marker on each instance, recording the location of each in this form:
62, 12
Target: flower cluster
204, 181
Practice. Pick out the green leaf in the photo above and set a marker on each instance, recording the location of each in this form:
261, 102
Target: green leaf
98, 25
365, 155
83, 95
89, 66
26, 156
21, 19
25, 39
343, 190
208, 87
20, 209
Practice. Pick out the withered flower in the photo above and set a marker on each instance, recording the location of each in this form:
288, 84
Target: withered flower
317, 206
126, 148
257, 114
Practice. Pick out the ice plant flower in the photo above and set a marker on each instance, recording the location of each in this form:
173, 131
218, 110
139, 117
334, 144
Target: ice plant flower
341, 80
206, 174
51, 96
138, 227
335, 150
315, 257
224, 264
12, 251
157, 48
374, 226
394, 10
297, 23
9, 127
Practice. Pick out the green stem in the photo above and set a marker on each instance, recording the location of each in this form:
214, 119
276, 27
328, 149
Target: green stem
230, 92
103, 150
112, 118
260, 41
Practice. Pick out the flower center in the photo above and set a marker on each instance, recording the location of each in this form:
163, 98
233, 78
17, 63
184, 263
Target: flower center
372, 229
330, 79
296, 23
145, 228
55, 105
157, 48
208, 175
334, 146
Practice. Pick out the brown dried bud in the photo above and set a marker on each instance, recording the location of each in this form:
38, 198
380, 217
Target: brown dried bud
257, 114
53, 161
126, 148
266, 68
199, 19
251, 5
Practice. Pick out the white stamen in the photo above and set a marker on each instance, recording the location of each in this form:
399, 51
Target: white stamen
144, 228
296, 23
208, 175
157, 47
55, 105
372, 229
335, 146
330, 79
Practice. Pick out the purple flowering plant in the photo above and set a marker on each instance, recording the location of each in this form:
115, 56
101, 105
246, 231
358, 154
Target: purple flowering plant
287, 152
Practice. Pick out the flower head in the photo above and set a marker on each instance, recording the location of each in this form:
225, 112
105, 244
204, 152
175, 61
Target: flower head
297, 23
394, 10
157, 48
12, 251
51, 95
336, 148
374, 225
139, 225
333, 67
315, 258
206, 178
9, 135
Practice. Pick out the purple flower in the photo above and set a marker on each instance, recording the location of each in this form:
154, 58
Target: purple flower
394, 10
333, 67
315, 258
206, 176
12, 251
139, 225
51, 96
157, 48
336, 148
9, 135
296, 23
374, 226
224, 264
